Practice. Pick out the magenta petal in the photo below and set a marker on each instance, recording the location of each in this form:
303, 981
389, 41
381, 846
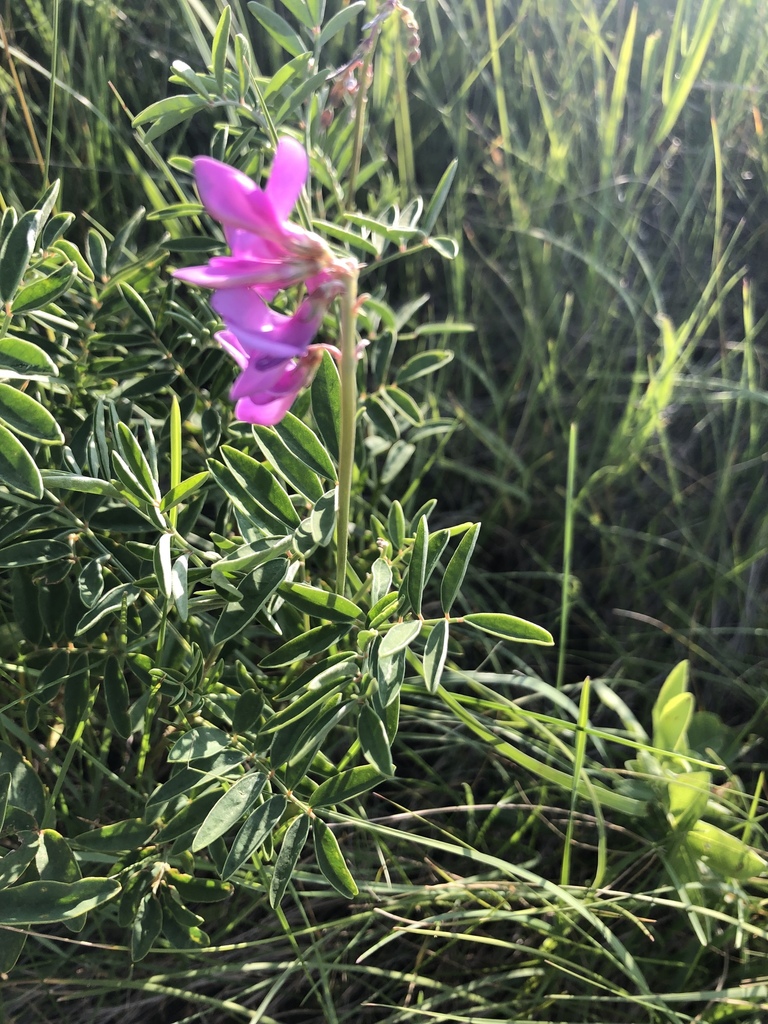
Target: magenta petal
264, 219
299, 332
287, 177
233, 348
260, 330
245, 245
230, 272
292, 379
232, 198
268, 404
227, 193
244, 308
265, 415
261, 376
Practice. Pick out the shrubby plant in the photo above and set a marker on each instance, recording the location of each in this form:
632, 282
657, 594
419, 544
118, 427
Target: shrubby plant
185, 581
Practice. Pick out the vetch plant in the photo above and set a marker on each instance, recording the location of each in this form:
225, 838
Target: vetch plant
268, 254
179, 595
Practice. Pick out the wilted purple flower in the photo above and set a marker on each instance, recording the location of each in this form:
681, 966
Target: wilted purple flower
267, 251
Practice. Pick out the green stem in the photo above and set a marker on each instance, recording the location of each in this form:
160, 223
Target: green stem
360, 100
176, 456
348, 373
52, 94
565, 596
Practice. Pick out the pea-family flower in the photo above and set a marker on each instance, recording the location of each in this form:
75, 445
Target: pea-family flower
267, 387
261, 329
272, 349
268, 253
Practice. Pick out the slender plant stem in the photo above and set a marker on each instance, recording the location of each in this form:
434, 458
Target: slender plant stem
23, 106
362, 95
348, 371
176, 456
565, 597
52, 94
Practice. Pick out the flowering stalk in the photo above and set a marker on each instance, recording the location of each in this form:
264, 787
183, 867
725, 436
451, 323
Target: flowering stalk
354, 78
360, 102
348, 374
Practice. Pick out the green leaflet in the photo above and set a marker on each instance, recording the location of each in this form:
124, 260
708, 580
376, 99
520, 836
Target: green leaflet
346, 785
236, 802
47, 902
253, 833
322, 604
509, 627
435, 654
374, 741
326, 404
293, 843
17, 467
457, 568
331, 860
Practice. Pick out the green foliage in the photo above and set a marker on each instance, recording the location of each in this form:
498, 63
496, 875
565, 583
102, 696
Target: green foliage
613, 166
685, 794
172, 587
186, 697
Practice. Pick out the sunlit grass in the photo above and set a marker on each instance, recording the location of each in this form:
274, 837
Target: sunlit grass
612, 297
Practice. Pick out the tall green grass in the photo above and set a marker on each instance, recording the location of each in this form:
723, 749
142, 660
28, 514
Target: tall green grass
463, 918
611, 192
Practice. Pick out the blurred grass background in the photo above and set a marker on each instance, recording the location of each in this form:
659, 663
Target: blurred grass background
610, 206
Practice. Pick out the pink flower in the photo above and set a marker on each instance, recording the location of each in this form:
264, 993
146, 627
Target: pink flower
267, 387
272, 350
260, 329
268, 253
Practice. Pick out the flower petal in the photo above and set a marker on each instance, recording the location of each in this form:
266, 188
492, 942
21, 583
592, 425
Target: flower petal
244, 308
227, 194
268, 404
231, 272
261, 330
262, 377
287, 177
264, 219
232, 198
232, 347
267, 414
247, 246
